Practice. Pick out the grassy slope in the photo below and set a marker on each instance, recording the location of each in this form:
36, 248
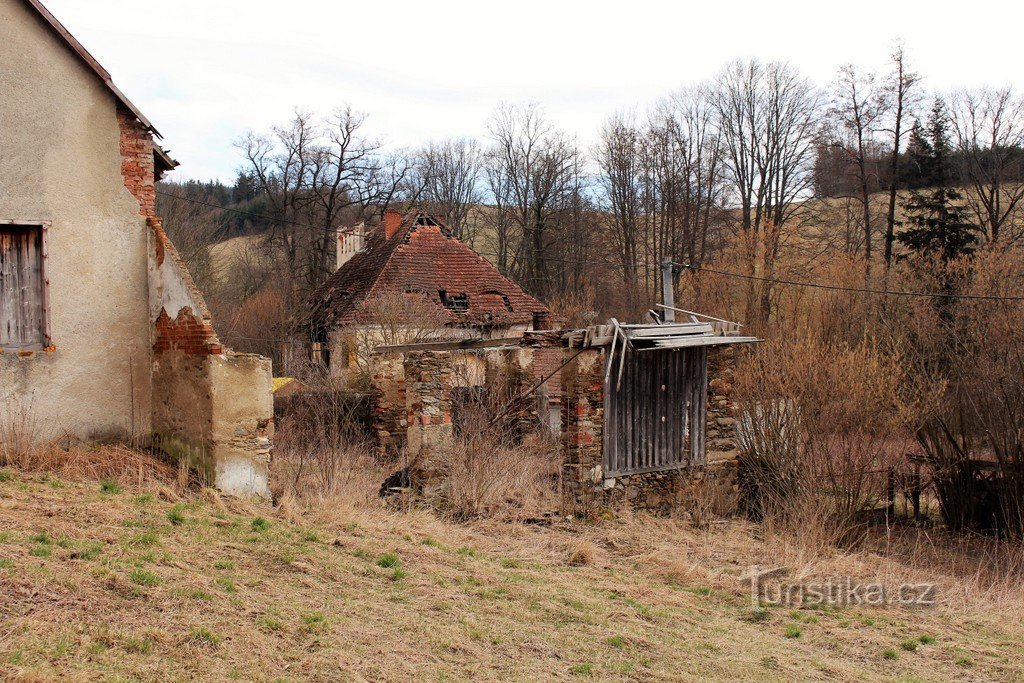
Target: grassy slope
123, 585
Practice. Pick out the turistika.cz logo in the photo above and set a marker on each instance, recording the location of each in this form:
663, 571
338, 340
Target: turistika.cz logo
766, 590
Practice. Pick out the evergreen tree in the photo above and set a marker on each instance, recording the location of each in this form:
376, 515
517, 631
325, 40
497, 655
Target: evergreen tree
936, 222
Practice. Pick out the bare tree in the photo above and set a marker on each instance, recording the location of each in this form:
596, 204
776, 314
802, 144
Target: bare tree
767, 116
623, 181
315, 176
859, 105
536, 170
901, 86
450, 175
989, 129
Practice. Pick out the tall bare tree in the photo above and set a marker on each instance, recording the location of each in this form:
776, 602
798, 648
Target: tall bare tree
858, 109
317, 175
988, 125
536, 169
902, 89
767, 116
450, 173
619, 158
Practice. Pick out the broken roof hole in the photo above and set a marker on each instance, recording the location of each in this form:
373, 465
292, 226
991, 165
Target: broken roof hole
457, 303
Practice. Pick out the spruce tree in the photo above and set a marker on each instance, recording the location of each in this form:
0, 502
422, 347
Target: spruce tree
936, 223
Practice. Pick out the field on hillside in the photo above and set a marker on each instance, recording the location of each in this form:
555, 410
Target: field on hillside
109, 581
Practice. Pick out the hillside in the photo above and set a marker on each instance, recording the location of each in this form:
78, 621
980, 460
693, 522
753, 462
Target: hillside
103, 582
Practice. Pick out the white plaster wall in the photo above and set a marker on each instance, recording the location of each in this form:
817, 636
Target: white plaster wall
60, 161
241, 390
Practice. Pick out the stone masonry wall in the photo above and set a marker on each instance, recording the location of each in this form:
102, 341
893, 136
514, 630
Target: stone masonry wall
388, 412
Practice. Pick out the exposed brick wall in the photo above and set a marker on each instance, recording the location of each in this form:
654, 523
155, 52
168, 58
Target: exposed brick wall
137, 160
186, 333
583, 427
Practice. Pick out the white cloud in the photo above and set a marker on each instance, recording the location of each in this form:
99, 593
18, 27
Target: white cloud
206, 71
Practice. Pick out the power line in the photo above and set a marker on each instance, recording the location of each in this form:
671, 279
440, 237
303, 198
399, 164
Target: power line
860, 290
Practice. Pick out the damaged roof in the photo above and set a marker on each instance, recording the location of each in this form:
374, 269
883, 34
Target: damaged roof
162, 159
419, 257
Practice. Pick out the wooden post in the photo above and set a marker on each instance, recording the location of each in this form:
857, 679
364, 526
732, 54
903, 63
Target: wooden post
892, 493
917, 492
668, 295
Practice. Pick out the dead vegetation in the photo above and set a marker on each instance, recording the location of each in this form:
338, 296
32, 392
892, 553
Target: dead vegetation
114, 581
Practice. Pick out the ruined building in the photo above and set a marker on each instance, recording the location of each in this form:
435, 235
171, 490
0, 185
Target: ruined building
103, 333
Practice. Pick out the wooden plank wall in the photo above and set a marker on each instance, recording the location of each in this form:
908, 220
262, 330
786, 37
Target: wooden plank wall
21, 286
655, 418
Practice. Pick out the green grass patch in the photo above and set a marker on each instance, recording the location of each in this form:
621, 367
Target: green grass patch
793, 631
890, 653
88, 552
926, 639
110, 486
175, 515
388, 561
41, 537
5, 476
144, 577
909, 645
314, 623
508, 563
260, 524
6, 563
223, 564
204, 636
468, 552
138, 646
226, 584
144, 498
616, 642
432, 542
146, 539
269, 624
584, 669
41, 550
398, 575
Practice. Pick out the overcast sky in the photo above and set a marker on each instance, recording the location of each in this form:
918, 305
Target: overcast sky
206, 71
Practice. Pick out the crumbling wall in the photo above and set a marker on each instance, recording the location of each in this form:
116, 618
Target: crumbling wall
212, 408
583, 428
388, 412
241, 422
429, 378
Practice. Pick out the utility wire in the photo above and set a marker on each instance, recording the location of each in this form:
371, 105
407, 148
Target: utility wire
838, 288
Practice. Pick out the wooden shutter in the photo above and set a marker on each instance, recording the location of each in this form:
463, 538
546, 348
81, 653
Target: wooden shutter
21, 286
654, 418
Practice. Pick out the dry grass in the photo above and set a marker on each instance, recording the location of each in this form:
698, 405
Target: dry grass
99, 581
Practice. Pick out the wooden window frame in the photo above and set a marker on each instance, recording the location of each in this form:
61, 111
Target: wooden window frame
44, 228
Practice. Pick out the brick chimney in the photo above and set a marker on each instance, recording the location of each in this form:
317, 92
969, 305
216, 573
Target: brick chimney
392, 222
